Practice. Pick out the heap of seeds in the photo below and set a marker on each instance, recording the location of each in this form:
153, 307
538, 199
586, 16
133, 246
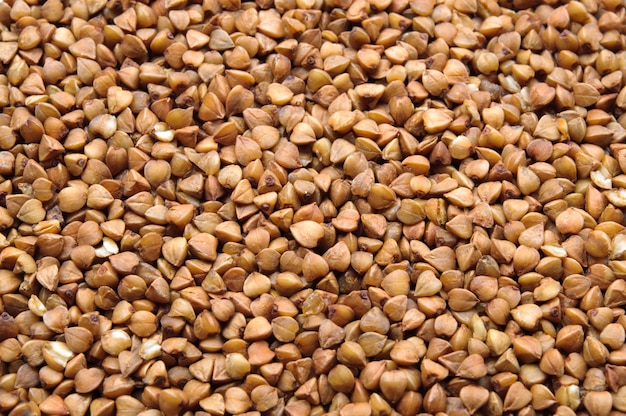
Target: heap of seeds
310, 207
